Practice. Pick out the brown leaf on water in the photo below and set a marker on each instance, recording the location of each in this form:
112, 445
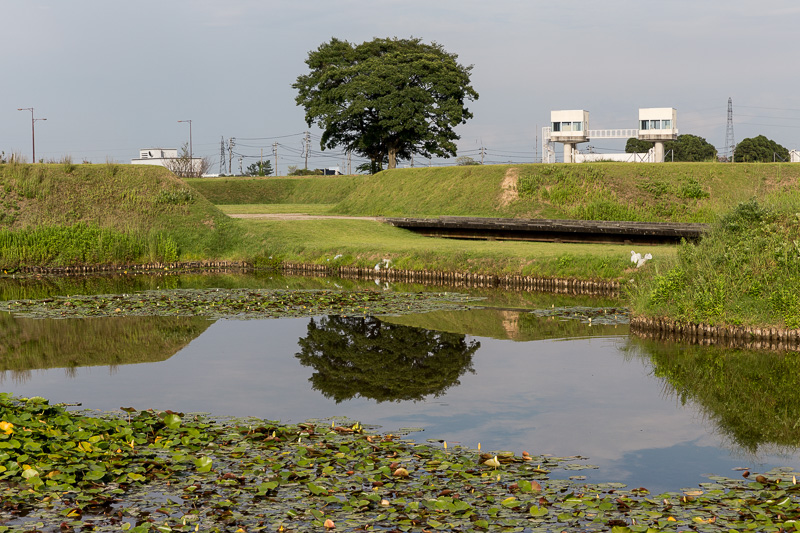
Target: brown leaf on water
400, 472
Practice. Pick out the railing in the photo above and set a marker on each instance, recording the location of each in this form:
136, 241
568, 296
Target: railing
613, 134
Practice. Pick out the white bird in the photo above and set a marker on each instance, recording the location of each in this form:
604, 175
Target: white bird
377, 267
638, 259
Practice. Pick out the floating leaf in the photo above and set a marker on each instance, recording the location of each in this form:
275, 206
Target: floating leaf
203, 464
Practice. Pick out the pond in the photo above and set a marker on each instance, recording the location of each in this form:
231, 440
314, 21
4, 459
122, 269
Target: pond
643, 413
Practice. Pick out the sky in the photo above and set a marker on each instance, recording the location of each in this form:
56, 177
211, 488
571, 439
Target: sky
113, 77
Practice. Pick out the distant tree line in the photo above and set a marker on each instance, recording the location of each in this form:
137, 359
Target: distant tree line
693, 148
685, 148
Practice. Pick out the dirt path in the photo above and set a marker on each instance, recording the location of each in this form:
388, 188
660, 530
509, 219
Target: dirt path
296, 216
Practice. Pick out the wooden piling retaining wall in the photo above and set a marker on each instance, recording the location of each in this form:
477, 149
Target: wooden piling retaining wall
460, 279
767, 338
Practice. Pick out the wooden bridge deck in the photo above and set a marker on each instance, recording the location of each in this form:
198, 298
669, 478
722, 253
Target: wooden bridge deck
552, 230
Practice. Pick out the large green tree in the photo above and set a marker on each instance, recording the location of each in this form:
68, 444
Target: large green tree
685, 148
386, 99
759, 150
691, 148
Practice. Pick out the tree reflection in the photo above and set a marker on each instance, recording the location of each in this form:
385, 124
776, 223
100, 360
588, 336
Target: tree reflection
750, 395
357, 356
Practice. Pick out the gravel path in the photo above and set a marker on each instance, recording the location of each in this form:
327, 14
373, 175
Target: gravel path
297, 216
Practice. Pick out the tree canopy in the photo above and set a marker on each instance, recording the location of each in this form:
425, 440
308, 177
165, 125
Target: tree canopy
637, 146
686, 147
386, 99
259, 168
691, 148
759, 150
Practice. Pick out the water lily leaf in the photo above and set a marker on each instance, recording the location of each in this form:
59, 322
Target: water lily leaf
203, 464
316, 489
172, 421
538, 512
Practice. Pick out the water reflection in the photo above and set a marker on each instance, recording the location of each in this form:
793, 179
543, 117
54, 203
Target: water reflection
355, 356
512, 324
28, 344
648, 413
750, 396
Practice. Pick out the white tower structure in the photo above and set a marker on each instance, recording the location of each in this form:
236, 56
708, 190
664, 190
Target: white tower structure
569, 127
658, 124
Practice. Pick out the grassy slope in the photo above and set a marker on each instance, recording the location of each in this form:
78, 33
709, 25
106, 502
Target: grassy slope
306, 190
746, 271
686, 192
146, 202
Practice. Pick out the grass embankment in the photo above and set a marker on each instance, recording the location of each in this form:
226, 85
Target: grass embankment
676, 192
746, 272
263, 190
68, 214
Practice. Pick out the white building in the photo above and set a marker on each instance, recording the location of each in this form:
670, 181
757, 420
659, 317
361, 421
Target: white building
166, 157
155, 156
658, 125
569, 127
642, 157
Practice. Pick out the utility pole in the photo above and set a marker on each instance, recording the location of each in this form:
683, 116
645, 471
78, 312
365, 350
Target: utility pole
33, 130
349, 163
275, 151
482, 154
308, 147
231, 144
221, 156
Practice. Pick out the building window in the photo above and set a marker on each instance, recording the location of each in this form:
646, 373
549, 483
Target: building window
577, 126
666, 124
655, 124
556, 126
644, 124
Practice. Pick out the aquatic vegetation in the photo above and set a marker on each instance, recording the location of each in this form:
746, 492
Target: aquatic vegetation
236, 303
165, 471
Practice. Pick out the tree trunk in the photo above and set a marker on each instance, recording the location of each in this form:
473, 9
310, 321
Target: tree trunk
392, 157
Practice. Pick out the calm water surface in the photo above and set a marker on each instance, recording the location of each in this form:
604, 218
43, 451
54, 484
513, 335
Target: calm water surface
645, 414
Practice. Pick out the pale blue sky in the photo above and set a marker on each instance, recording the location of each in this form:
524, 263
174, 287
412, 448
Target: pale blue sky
112, 77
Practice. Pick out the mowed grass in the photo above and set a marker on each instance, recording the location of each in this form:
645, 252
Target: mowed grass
278, 209
264, 190
670, 192
365, 243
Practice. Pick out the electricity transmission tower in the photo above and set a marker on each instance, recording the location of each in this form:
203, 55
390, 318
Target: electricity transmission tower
730, 145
